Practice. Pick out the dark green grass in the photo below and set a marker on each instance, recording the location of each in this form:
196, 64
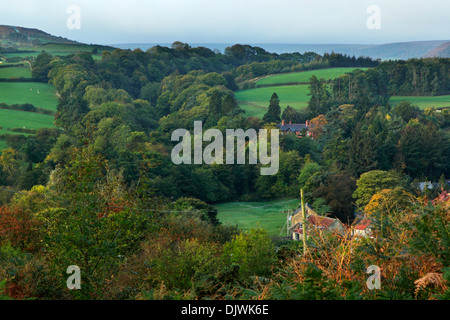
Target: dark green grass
304, 76
55, 50
27, 92
258, 110
256, 101
286, 94
268, 215
424, 102
20, 119
17, 71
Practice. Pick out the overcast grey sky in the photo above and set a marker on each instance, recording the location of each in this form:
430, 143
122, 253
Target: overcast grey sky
234, 21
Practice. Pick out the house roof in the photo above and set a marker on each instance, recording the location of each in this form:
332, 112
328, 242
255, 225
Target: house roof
321, 222
308, 210
296, 127
299, 231
363, 224
442, 198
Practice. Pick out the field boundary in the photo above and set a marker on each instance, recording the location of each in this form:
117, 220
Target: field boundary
268, 85
18, 80
33, 109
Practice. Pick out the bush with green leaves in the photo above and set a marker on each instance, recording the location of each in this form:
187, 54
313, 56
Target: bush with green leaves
253, 251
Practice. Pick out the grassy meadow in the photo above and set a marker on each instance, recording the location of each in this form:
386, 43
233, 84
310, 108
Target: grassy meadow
424, 102
20, 119
54, 49
15, 71
13, 119
304, 76
268, 215
255, 102
39, 94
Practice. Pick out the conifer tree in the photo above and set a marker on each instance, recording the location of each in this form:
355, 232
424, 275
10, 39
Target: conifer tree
274, 112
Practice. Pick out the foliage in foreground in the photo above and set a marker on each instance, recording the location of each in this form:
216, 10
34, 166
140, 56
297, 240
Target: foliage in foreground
132, 246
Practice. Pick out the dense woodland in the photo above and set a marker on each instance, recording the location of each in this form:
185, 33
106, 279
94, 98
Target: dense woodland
100, 190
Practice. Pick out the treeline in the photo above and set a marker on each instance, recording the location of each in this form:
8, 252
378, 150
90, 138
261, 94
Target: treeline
6, 50
362, 88
131, 70
27, 107
418, 77
294, 62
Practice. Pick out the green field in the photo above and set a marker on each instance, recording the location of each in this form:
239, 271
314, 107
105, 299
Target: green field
20, 93
424, 102
256, 101
54, 49
41, 95
10, 119
305, 76
268, 215
287, 94
18, 71
20, 119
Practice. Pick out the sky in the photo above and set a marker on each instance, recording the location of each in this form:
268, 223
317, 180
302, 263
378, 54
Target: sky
234, 21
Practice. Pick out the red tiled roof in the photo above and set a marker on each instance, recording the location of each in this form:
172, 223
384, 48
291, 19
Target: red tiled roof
318, 221
443, 197
363, 224
299, 231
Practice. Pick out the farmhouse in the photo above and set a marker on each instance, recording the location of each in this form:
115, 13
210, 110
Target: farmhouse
362, 228
313, 222
300, 129
443, 199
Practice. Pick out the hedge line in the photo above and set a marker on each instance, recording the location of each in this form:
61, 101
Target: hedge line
18, 80
27, 107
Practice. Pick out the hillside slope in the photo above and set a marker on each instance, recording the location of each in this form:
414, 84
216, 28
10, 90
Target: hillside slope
11, 36
400, 50
443, 51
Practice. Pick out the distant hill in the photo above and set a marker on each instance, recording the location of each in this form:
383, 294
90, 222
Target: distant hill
394, 51
400, 50
443, 51
11, 36
17, 43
